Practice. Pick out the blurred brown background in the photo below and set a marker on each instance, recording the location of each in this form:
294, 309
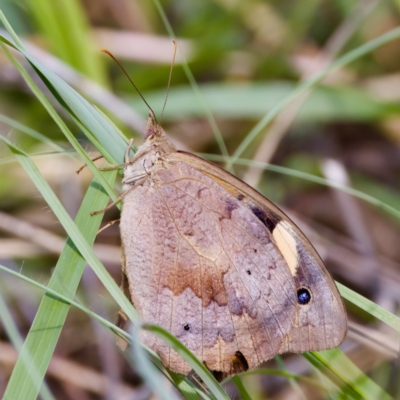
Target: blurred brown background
245, 56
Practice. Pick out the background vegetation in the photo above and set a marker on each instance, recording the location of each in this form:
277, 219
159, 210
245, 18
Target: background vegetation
299, 99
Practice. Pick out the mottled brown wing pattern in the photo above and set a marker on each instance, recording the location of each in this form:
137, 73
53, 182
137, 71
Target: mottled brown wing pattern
319, 325
201, 264
218, 265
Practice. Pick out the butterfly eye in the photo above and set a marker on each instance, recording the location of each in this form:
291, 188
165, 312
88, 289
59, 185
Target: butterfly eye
186, 327
303, 295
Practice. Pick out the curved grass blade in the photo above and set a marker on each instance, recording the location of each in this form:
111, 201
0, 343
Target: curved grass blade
187, 389
49, 320
370, 307
241, 388
352, 381
66, 299
16, 339
75, 45
312, 178
211, 120
60, 123
206, 376
74, 233
149, 373
310, 83
31, 132
113, 147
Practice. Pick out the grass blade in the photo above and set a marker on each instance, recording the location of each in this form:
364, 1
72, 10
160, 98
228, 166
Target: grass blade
17, 341
206, 376
48, 323
353, 382
74, 233
310, 83
75, 46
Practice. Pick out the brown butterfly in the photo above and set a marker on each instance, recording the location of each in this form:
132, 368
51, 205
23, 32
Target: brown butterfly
218, 265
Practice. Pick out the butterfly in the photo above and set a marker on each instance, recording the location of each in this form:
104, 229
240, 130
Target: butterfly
222, 268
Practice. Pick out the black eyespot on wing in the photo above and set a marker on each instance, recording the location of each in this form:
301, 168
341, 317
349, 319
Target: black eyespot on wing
218, 375
240, 196
239, 363
248, 272
255, 250
270, 220
303, 295
186, 327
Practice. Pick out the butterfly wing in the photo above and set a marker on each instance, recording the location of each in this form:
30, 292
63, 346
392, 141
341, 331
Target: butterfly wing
321, 323
220, 267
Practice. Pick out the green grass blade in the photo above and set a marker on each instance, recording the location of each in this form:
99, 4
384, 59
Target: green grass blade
67, 32
310, 83
66, 299
60, 123
11, 31
113, 146
240, 387
211, 120
250, 101
150, 374
73, 232
370, 307
350, 378
293, 383
187, 389
312, 178
17, 341
48, 323
31, 132
215, 388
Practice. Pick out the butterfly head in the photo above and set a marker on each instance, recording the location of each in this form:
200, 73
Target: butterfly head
152, 128
149, 155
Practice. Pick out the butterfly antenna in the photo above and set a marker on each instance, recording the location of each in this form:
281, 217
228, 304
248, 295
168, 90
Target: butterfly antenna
130, 80
169, 79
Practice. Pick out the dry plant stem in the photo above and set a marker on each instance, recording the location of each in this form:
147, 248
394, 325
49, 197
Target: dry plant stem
106, 350
54, 244
379, 340
277, 130
354, 222
91, 89
39, 236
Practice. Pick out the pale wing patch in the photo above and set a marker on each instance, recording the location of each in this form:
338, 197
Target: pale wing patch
286, 243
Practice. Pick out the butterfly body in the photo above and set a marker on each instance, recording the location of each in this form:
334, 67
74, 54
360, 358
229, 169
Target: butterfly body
218, 265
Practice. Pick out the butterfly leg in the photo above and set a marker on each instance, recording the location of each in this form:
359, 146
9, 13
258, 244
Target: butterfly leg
137, 183
85, 165
108, 225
